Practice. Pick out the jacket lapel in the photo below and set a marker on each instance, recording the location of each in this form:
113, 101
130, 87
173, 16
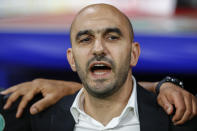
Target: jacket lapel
55, 118
151, 116
63, 120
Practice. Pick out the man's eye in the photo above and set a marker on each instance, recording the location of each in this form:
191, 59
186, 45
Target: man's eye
85, 40
113, 38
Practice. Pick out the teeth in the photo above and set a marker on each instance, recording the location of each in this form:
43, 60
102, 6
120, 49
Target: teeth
99, 65
99, 73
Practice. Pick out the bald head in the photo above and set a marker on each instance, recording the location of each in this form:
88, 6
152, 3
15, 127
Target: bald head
104, 11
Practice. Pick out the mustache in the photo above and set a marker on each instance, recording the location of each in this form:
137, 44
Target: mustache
100, 58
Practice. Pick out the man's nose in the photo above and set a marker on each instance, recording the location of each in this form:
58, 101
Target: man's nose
99, 48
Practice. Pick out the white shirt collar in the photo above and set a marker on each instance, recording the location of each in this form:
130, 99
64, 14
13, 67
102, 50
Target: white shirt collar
77, 106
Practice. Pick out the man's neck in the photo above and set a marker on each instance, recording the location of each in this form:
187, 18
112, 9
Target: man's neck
104, 110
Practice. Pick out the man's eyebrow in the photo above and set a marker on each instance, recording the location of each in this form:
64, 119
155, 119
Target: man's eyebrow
83, 32
116, 30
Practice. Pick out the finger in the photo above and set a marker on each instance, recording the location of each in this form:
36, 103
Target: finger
180, 107
188, 111
16, 87
12, 98
194, 107
165, 104
26, 98
41, 105
9, 90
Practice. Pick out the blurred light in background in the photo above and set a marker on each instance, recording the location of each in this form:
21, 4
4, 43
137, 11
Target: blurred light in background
34, 36
30, 7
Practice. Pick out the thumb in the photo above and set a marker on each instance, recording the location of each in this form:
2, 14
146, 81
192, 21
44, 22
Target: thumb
40, 105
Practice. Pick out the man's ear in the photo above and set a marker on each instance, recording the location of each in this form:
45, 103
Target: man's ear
135, 53
70, 59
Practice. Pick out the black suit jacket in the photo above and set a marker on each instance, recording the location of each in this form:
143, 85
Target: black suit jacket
58, 117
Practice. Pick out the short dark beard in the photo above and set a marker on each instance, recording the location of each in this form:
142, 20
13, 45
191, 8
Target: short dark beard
114, 86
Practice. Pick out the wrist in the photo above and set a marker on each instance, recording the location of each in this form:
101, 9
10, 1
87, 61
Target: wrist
168, 79
72, 87
154, 87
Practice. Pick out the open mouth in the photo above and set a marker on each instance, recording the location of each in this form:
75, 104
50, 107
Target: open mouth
100, 68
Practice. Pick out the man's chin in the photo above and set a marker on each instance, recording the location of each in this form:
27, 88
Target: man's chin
100, 89
100, 84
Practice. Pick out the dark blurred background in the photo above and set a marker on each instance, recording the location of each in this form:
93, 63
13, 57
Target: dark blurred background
34, 36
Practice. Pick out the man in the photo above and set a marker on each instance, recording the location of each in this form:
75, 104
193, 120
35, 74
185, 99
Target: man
102, 53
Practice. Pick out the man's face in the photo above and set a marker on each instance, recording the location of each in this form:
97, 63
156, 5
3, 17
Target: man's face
101, 51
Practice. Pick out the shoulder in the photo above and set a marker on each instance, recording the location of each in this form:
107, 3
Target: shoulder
153, 115
146, 97
9, 116
55, 117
